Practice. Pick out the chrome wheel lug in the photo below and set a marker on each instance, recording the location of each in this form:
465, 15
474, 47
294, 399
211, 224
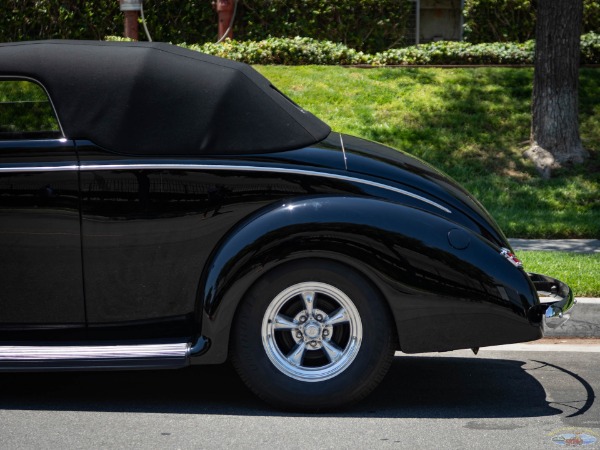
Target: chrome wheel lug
299, 335
325, 332
319, 317
313, 343
303, 319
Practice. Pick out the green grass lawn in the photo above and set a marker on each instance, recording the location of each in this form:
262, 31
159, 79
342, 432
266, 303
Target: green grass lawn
579, 271
471, 123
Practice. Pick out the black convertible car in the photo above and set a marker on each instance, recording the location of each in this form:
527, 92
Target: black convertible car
161, 208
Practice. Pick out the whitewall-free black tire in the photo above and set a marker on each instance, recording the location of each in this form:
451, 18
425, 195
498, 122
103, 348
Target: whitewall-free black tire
312, 335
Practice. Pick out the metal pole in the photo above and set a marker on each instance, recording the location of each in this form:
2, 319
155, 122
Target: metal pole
131, 11
225, 10
462, 19
131, 24
418, 20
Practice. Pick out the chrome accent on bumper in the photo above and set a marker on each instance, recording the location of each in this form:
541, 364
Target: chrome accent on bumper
556, 300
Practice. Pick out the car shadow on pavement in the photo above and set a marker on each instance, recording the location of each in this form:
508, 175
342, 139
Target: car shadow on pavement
458, 387
415, 387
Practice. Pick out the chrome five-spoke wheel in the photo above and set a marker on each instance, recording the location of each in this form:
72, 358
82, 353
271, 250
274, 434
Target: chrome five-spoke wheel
312, 335
311, 331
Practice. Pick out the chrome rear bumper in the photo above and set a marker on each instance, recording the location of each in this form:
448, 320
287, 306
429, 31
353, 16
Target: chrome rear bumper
556, 300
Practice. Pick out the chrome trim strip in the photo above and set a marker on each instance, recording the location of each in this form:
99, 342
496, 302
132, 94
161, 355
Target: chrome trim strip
23, 169
91, 167
57, 353
343, 152
350, 179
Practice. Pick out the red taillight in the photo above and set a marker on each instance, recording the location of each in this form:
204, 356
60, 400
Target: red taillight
511, 257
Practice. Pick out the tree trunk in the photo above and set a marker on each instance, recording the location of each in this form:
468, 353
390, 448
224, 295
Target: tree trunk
555, 137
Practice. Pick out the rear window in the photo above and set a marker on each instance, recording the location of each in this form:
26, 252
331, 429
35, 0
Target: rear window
26, 112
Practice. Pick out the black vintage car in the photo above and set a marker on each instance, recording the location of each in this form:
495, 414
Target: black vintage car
161, 208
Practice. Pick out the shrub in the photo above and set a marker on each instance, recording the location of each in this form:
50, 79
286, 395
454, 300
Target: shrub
514, 20
499, 20
297, 51
369, 25
294, 51
440, 53
23, 20
590, 48
365, 25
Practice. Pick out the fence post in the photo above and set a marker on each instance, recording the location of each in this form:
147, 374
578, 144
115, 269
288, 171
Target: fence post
131, 11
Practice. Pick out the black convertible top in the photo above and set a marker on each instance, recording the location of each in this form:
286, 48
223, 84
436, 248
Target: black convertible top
160, 99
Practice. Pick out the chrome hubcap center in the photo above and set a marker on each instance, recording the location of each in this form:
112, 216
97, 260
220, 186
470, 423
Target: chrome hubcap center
312, 330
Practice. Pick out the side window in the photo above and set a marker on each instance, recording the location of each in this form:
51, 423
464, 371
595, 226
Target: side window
26, 112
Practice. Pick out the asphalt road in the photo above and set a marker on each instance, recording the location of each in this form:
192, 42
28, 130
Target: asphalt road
515, 397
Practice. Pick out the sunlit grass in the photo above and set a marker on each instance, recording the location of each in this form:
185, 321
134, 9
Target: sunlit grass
471, 123
580, 271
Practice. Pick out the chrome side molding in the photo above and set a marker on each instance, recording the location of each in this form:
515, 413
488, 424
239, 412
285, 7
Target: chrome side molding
46, 352
264, 169
100, 356
16, 168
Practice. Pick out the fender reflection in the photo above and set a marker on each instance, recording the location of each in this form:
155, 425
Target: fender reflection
91, 167
262, 169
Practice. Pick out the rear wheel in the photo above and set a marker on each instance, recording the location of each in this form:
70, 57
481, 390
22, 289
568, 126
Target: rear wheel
312, 335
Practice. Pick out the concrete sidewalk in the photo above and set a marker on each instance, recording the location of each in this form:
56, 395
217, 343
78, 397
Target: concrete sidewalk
585, 317
561, 245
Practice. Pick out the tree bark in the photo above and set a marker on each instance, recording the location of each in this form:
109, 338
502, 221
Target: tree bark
555, 139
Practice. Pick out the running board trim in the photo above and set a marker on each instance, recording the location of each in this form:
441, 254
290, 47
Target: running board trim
94, 357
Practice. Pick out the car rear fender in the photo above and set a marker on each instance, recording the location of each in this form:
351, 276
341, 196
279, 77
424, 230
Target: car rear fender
398, 248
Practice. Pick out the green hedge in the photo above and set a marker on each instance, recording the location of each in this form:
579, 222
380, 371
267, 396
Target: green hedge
366, 25
287, 51
370, 25
25, 20
299, 51
459, 53
514, 20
